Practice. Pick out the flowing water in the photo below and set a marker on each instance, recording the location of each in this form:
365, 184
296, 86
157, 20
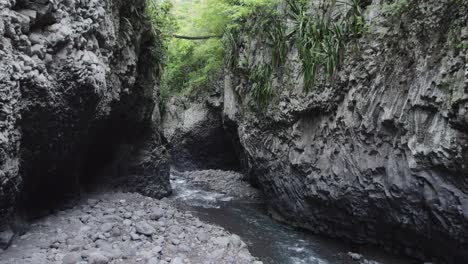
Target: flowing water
270, 241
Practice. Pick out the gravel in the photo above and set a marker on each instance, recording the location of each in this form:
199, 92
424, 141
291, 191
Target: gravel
125, 228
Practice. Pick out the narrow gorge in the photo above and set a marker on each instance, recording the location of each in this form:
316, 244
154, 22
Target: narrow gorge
234, 131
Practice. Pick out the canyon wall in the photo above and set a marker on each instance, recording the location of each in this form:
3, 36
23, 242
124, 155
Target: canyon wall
379, 154
193, 127
78, 89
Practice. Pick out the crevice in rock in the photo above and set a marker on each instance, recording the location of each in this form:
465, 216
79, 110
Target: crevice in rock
211, 150
100, 153
230, 129
198, 139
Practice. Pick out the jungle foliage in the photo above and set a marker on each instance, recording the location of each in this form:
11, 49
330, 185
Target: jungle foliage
319, 35
192, 64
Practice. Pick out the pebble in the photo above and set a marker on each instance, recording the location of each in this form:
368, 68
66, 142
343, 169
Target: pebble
134, 236
156, 214
157, 249
235, 240
98, 258
184, 248
355, 256
202, 236
92, 202
127, 215
106, 227
177, 260
71, 258
144, 228
222, 241
98, 237
153, 260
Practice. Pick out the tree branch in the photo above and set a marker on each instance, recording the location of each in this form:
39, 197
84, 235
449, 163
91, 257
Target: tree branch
197, 37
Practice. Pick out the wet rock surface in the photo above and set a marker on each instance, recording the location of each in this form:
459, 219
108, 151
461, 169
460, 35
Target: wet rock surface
121, 228
378, 155
229, 183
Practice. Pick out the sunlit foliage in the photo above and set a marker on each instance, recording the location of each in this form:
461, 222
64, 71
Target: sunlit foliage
196, 65
193, 65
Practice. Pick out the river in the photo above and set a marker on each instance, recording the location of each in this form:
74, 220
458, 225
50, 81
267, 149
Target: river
267, 239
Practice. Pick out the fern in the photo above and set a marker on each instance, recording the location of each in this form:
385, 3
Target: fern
279, 47
320, 42
231, 50
262, 88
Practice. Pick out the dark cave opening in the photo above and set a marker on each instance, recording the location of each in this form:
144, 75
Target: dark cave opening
53, 181
231, 131
99, 156
207, 146
49, 177
216, 151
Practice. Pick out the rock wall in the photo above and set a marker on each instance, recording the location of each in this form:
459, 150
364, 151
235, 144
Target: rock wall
78, 89
193, 127
380, 154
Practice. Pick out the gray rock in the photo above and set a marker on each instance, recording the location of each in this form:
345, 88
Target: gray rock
23, 21
92, 202
32, 14
127, 222
235, 240
202, 236
71, 258
127, 215
38, 50
106, 227
116, 232
139, 213
177, 260
157, 250
135, 236
156, 214
222, 241
184, 248
84, 218
355, 256
144, 228
98, 258
6, 238
153, 260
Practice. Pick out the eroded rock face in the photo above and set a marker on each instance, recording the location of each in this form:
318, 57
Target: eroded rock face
194, 129
381, 155
78, 91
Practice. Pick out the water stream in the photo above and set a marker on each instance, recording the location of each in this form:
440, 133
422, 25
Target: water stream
270, 241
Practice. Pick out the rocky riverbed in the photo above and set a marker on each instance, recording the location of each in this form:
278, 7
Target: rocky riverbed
227, 183
213, 217
125, 228
223, 198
